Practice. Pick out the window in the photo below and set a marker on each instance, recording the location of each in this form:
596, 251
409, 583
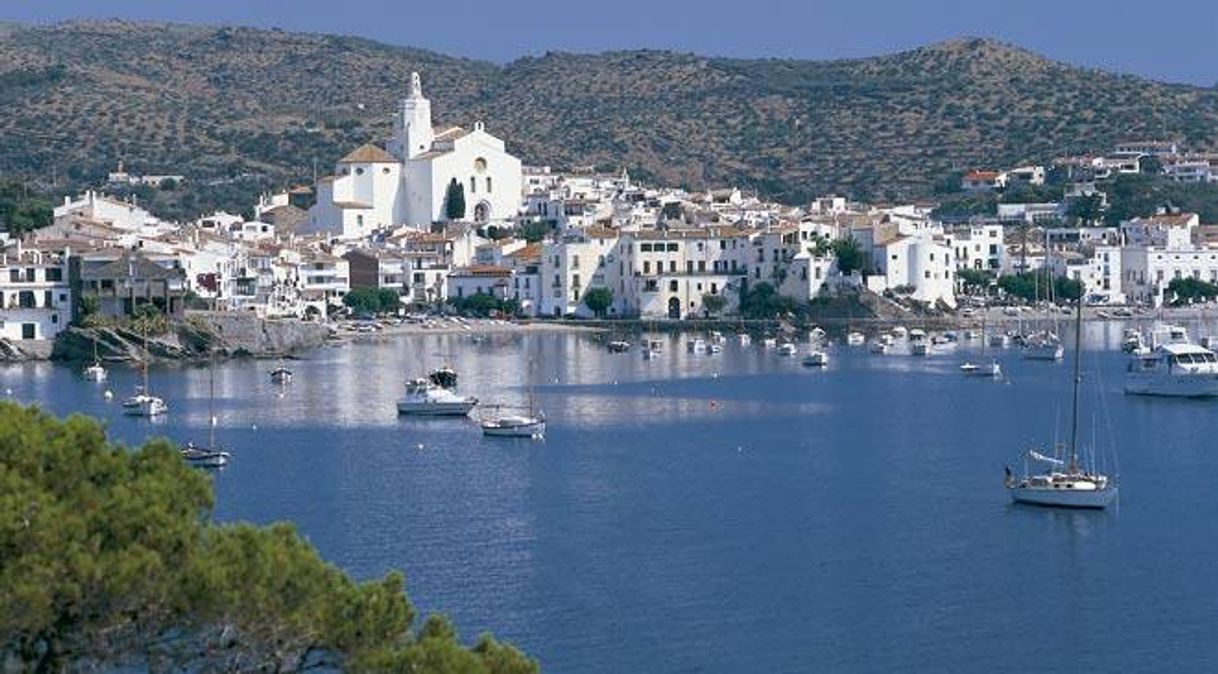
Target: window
701, 265
55, 274
575, 282
689, 266
385, 170
672, 266
575, 262
645, 247
473, 185
488, 184
722, 244
359, 220
672, 248
646, 267
480, 167
672, 285
359, 171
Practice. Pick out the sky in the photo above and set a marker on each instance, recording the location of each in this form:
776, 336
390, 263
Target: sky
1169, 40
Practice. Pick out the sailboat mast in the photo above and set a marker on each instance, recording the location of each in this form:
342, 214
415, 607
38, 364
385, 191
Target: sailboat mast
211, 402
1078, 363
146, 389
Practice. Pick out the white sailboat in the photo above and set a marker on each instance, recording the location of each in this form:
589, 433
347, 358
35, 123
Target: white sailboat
143, 403
95, 372
211, 456
1064, 483
529, 425
816, 358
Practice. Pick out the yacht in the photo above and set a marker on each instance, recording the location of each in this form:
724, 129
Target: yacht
855, 338
650, 349
204, 457
1064, 483
881, 344
744, 339
716, 337
425, 399
918, 346
697, 345
1000, 340
1044, 345
715, 347
816, 358
900, 332
1173, 367
787, 349
769, 343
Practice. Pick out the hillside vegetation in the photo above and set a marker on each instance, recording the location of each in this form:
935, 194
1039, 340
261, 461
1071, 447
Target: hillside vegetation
259, 107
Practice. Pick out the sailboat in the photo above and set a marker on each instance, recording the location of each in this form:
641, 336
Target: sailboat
143, 403
1064, 483
530, 425
95, 372
971, 369
210, 456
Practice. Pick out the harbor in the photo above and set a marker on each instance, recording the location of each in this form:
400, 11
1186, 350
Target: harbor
671, 486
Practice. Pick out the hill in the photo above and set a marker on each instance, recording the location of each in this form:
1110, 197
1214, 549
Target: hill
250, 109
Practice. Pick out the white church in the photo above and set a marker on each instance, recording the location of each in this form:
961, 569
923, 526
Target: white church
407, 182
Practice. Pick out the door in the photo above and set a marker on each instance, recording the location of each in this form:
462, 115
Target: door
674, 308
29, 330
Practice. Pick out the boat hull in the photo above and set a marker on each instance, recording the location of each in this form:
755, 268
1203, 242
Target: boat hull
436, 409
514, 430
1173, 386
145, 408
1094, 499
1049, 353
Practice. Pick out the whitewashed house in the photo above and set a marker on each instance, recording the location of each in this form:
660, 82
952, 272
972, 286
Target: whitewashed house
35, 292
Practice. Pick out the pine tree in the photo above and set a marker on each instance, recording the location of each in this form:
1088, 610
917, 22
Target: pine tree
454, 201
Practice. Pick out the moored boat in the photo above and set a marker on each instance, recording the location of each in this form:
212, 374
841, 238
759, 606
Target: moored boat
1174, 367
423, 398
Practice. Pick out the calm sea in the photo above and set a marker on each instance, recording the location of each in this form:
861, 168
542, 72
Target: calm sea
725, 513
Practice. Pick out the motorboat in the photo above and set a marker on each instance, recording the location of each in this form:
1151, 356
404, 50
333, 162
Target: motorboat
444, 377
1000, 340
816, 358
716, 337
918, 345
650, 349
515, 426
281, 375
1065, 482
697, 345
204, 457
1174, 367
425, 399
1043, 345
855, 338
992, 371
879, 346
769, 343
619, 346
816, 334
900, 332
1131, 342
715, 347
787, 349
744, 339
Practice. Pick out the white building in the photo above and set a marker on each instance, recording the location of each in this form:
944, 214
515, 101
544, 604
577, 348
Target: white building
917, 263
35, 292
408, 182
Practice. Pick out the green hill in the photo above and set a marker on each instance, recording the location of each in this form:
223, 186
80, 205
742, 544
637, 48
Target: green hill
223, 102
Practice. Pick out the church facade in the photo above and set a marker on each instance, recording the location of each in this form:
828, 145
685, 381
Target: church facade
408, 182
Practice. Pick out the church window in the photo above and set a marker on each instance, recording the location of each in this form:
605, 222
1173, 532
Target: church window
359, 220
359, 171
473, 185
385, 170
488, 184
480, 165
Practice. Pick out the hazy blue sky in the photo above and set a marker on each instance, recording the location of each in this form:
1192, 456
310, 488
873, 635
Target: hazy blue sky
1175, 40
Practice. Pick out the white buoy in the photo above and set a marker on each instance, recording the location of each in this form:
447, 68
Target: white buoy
419, 447
254, 427
8, 392
108, 395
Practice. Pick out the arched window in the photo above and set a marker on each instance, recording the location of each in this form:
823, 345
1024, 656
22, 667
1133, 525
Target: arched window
488, 184
359, 171
480, 165
473, 184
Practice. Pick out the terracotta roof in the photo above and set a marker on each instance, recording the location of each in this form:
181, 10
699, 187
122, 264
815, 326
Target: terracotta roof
368, 154
529, 252
352, 204
981, 175
451, 133
1171, 220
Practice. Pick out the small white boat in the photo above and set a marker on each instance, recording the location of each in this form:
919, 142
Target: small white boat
715, 347
787, 349
650, 349
900, 332
619, 346
696, 345
816, 334
144, 405
918, 346
1175, 367
95, 372
716, 337
204, 457
879, 346
816, 358
855, 338
992, 371
744, 339
515, 426
281, 375
769, 343
425, 399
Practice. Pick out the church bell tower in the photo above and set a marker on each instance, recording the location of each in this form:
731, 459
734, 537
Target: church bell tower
412, 133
